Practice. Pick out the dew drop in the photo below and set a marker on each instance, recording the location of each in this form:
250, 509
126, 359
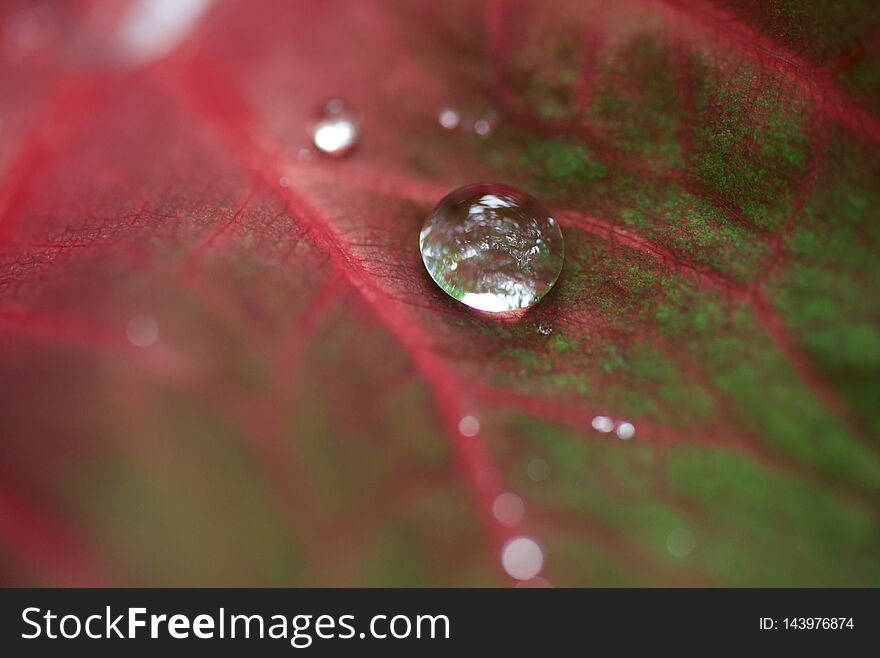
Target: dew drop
626, 430
522, 558
449, 118
469, 426
680, 542
142, 331
509, 509
492, 247
602, 424
486, 124
337, 131
284, 181
545, 328
538, 470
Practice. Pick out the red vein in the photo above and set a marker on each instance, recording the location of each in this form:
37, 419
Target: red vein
809, 79
233, 122
45, 545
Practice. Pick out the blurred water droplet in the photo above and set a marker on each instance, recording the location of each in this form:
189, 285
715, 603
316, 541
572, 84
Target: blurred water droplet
487, 123
602, 424
142, 331
681, 542
626, 430
545, 328
337, 132
522, 558
492, 247
538, 470
304, 155
469, 426
508, 509
284, 181
449, 118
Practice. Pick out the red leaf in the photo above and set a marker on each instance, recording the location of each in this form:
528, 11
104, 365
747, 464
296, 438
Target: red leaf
223, 362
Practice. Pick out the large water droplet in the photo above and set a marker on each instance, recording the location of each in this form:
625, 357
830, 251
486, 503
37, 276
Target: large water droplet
492, 247
337, 131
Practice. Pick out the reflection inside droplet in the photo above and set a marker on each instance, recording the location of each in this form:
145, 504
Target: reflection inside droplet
522, 558
492, 247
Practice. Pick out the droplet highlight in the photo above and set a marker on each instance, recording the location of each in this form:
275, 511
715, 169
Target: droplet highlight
338, 130
492, 247
602, 424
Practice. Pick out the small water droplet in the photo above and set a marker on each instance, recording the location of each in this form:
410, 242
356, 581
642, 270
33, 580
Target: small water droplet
337, 132
509, 509
142, 331
681, 542
545, 328
538, 470
486, 124
626, 430
603, 424
522, 558
469, 426
449, 118
490, 233
284, 181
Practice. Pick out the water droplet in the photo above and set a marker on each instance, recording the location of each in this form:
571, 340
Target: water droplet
487, 123
469, 426
284, 181
545, 328
681, 542
492, 247
522, 558
449, 118
603, 424
626, 430
142, 331
538, 470
337, 132
509, 509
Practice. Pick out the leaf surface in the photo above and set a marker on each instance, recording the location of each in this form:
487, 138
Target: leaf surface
223, 362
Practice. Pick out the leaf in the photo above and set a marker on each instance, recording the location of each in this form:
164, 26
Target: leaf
224, 364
